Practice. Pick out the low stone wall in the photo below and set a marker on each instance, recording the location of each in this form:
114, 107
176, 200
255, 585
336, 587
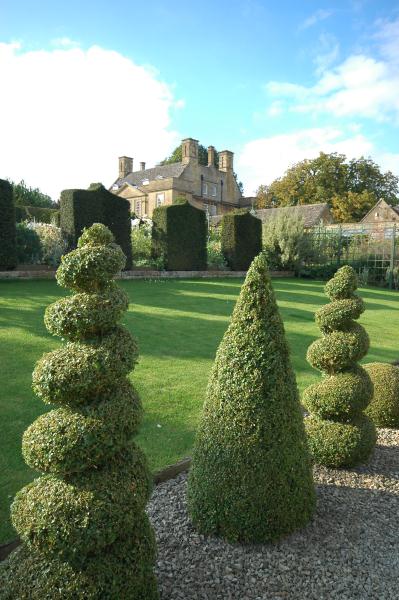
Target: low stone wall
50, 274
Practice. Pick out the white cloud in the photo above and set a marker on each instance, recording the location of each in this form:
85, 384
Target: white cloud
67, 114
263, 160
320, 15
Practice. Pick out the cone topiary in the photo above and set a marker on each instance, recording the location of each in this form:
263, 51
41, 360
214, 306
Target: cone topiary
383, 409
84, 529
251, 477
339, 433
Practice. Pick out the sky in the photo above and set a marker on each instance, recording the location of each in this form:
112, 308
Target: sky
275, 82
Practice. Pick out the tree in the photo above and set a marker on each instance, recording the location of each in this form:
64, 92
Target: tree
8, 247
251, 478
339, 433
28, 196
83, 523
285, 242
330, 178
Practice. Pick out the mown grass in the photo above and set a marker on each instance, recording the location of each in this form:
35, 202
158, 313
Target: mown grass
179, 324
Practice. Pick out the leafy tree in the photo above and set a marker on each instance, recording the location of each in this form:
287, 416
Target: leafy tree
329, 178
251, 478
285, 242
83, 522
28, 196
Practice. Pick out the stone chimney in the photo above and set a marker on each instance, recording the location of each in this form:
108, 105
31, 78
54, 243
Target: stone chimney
142, 166
125, 166
211, 156
226, 160
189, 151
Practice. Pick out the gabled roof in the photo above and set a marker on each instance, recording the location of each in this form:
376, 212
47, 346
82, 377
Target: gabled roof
381, 201
159, 172
310, 213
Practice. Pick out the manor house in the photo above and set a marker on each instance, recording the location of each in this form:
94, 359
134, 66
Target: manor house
212, 189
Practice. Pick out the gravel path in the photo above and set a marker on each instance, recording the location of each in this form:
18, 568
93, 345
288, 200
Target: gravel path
349, 551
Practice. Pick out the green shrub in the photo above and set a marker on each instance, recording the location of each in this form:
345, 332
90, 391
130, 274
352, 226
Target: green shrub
8, 249
52, 243
216, 259
384, 406
285, 243
83, 524
241, 239
179, 237
37, 213
82, 208
29, 248
251, 478
339, 434
141, 243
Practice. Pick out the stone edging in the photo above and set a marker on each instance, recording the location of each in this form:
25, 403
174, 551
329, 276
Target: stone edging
39, 274
169, 472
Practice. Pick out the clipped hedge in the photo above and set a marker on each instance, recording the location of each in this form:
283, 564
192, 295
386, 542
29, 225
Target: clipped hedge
241, 239
83, 524
8, 248
339, 433
251, 477
384, 406
82, 208
37, 213
179, 236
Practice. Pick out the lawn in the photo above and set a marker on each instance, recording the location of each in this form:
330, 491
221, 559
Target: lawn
178, 324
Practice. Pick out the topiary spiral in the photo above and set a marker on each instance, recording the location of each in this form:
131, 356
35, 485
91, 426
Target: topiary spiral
83, 523
339, 433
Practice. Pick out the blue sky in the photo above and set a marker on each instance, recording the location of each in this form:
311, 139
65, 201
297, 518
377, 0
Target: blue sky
273, 81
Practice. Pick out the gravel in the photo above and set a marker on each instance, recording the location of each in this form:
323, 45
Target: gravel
349, 551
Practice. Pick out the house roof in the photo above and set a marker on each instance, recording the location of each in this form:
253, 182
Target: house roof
381, 201
159, 172
310, 213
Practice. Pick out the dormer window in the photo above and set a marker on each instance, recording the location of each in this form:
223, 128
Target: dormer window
145, 181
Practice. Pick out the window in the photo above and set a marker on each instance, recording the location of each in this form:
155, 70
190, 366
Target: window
145, 181
212, 190
160, 199
137, 209
205, 189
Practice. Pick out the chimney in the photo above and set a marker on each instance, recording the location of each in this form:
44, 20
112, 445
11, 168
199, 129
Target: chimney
142, 166
189, 151
226, 160
125, 166
211, 156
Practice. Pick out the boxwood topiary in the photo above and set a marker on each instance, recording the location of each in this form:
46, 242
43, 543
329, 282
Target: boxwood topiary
8, 247
384, 406
83, 524
251, 478
339, 434
241, 237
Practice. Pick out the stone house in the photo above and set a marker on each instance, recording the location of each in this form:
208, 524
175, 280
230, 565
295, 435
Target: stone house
313, 215
212, 189
382, 212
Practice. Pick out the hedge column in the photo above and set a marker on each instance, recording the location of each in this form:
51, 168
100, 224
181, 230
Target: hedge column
83, 523
8, 248
251, 477
241, 239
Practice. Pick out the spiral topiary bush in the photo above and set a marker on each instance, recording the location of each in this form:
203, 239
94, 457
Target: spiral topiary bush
339, 433
383, 409
83, 525
251, 478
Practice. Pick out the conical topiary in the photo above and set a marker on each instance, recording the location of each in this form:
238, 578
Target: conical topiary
338, 431
83, 524
251, 476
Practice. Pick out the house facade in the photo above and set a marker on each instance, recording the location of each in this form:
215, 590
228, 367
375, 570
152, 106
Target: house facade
212, 189
382, 212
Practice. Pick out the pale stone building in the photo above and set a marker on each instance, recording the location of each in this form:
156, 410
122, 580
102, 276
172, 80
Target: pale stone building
382, 212
204, 186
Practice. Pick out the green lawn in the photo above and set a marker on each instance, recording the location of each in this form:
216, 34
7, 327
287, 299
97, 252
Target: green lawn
178, 325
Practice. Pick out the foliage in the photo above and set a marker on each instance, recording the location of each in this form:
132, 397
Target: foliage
141, 242
37, 213
82, 208
29, 248
53, 245
26, 196
383, 409
348, 186
251, 478
340, 435
90, 501
285, 243
8, 249
241, 236
215, 256
179, 237
392, 277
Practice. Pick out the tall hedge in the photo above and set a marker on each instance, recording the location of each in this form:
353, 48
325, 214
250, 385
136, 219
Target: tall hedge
83, 524
340, 435
8, 249
43, 215
251, 477
241, 239
179, 235
82, 208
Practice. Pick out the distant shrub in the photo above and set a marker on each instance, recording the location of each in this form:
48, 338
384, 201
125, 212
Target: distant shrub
29, 248
384, 406
37, 213
179, 237
216, 259
8, 249
285, 243
53, 246
241, 237
141, 242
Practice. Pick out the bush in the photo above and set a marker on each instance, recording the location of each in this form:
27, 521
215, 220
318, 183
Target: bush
141, 242
8, 249
53, 246
285, 243
37, 213
241, 239
90, 502
82, 208
251, 478
29, 248
179, 237
384, 406
339, 434
216, 259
